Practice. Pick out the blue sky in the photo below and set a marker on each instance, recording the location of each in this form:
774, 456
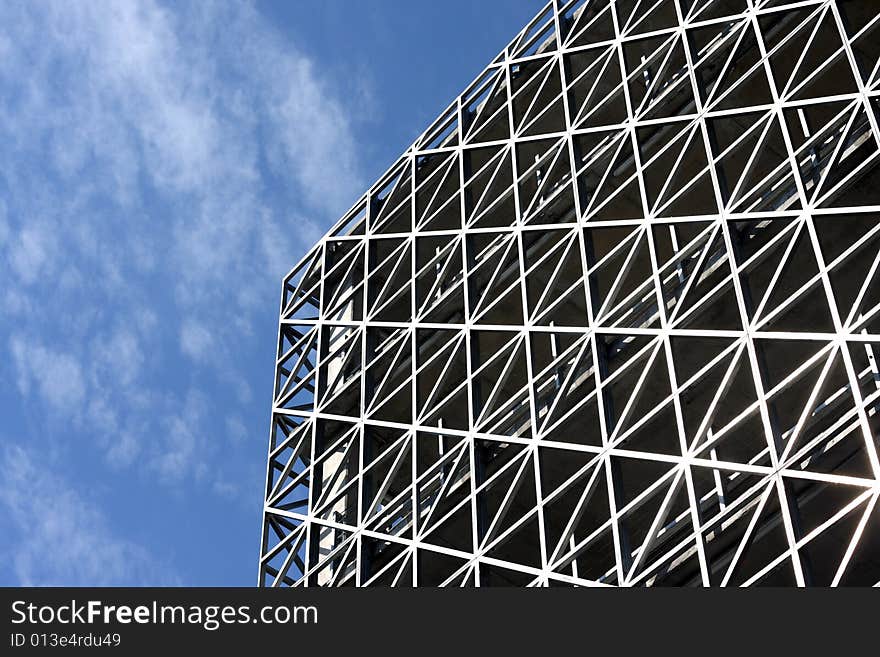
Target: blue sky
161, 167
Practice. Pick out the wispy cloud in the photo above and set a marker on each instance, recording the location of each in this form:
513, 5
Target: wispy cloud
57, 376
156, 162
56, 537
196, 340
161, 168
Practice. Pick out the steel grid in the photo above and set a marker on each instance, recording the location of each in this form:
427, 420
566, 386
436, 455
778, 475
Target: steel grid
613, 319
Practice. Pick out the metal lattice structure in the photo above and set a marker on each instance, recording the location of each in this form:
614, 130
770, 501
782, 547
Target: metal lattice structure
613, 319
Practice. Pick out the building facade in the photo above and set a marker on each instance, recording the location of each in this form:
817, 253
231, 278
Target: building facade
613, 319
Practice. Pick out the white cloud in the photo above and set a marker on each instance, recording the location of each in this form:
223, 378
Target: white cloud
182, 451
56, 375
236, 430
124, 448
28, 253
161, 168
226, 489
171, 157
314, 141
196, 341
131, 93
16, 303
117, 358
59, 538
4, 222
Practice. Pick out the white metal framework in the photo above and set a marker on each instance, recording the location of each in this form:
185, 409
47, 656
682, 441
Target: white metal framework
613, 319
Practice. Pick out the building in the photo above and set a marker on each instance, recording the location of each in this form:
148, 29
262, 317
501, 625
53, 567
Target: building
614, 318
